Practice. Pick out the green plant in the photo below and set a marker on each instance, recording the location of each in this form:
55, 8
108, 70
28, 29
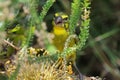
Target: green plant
80, 11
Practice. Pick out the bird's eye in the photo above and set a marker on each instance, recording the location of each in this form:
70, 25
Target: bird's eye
65, 18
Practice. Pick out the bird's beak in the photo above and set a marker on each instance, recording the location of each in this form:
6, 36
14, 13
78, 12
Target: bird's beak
58, 20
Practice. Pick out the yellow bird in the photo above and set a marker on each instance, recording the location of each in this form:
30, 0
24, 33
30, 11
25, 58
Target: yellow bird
61, 33
60, 30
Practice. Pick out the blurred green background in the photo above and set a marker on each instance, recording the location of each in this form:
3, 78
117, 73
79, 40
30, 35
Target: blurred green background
101, 55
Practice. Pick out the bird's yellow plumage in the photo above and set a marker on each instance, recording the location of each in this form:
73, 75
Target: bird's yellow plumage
60, 36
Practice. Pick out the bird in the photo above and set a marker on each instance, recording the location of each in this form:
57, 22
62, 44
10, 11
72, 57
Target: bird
61, 33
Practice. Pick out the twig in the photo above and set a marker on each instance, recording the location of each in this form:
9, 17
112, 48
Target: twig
69, 39
11, 45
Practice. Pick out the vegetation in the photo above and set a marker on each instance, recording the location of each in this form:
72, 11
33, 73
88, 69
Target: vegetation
26, 49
